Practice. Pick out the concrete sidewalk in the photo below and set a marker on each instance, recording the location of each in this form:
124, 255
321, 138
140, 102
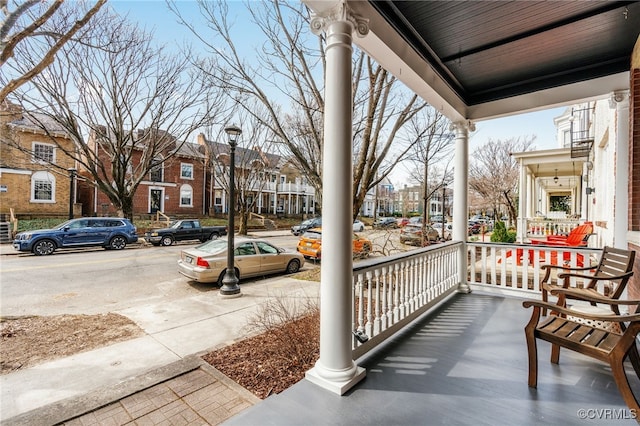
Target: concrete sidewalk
157, 376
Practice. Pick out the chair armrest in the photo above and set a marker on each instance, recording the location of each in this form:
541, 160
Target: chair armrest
567, 268
563, 275
589, 296
566, 311
536, 241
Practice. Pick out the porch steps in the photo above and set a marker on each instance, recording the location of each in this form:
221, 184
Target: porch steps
5, 232
270, 225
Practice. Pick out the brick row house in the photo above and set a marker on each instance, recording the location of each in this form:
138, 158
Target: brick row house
274, 184
176, 187
36, 176
34, 171
193, 181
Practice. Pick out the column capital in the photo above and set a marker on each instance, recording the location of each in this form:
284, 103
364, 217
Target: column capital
463, 126
339, 12
618, 97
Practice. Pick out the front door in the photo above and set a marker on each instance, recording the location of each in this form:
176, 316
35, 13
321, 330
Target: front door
155, 200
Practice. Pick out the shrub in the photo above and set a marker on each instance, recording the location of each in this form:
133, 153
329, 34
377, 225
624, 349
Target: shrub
502, 235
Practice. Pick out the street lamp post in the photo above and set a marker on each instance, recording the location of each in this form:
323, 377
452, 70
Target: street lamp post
230, 287
72, 181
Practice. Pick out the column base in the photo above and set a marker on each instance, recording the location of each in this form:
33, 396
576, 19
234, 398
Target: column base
464, 288
339, 387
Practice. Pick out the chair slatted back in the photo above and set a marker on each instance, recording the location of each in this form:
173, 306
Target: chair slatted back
614, 262
578, 235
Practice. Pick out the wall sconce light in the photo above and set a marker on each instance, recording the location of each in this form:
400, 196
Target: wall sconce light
555, 178
590, 191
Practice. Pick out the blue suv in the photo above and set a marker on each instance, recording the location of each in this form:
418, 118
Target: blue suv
109, 232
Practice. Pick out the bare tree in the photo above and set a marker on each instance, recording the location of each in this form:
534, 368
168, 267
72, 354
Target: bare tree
253, 167
431, 155
19, 25
290, 68
137, 103
493, 173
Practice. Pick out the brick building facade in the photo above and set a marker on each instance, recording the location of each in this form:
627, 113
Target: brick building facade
34, 171
175, 188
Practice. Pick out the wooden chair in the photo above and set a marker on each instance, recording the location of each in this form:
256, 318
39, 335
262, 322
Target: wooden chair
611, 274
578, 237
564, 330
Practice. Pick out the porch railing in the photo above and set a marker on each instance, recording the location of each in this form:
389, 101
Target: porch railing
515, 268
542, 227
391, 292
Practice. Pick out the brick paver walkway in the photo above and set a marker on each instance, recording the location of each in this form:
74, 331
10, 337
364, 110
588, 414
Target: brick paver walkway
199, 397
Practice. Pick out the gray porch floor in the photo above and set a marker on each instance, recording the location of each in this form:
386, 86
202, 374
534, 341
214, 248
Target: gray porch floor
463, 364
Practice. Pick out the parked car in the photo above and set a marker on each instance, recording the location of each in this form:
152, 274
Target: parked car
315, 222
310, 245
385, 222
109, 232
207, 262
412, 234
448, 230
415, 220
184, 230
358, 226
402, 221
474, 227
437, 219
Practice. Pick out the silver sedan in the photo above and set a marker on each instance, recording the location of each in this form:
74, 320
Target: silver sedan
207, 262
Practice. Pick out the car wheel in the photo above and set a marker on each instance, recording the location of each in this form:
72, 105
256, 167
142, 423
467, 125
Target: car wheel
166, 240
44, 248
214, 236
293, 266
117, 243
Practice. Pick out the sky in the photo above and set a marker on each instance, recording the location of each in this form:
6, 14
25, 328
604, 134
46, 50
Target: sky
154, 16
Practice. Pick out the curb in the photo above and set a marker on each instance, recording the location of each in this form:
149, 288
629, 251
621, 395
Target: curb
59, 412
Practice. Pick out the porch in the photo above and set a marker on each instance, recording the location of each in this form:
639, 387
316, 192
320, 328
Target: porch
465, 362
438, 356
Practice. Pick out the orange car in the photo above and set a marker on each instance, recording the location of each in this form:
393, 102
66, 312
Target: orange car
310, 245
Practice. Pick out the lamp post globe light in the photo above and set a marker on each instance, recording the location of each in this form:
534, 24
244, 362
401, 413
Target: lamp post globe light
230, 287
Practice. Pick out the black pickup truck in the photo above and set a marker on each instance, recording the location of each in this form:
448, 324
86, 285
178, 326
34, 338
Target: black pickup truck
184, 230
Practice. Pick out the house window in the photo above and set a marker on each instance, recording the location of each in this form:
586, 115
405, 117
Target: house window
43, 153
156, 173
43, 188
186, 196
186, 171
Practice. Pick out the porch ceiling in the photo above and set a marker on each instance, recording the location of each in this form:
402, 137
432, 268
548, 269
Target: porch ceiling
550, 163
483, 59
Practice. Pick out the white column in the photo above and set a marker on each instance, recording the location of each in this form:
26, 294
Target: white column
335, 369
522, 220
529, 210
620, 100
460, 196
